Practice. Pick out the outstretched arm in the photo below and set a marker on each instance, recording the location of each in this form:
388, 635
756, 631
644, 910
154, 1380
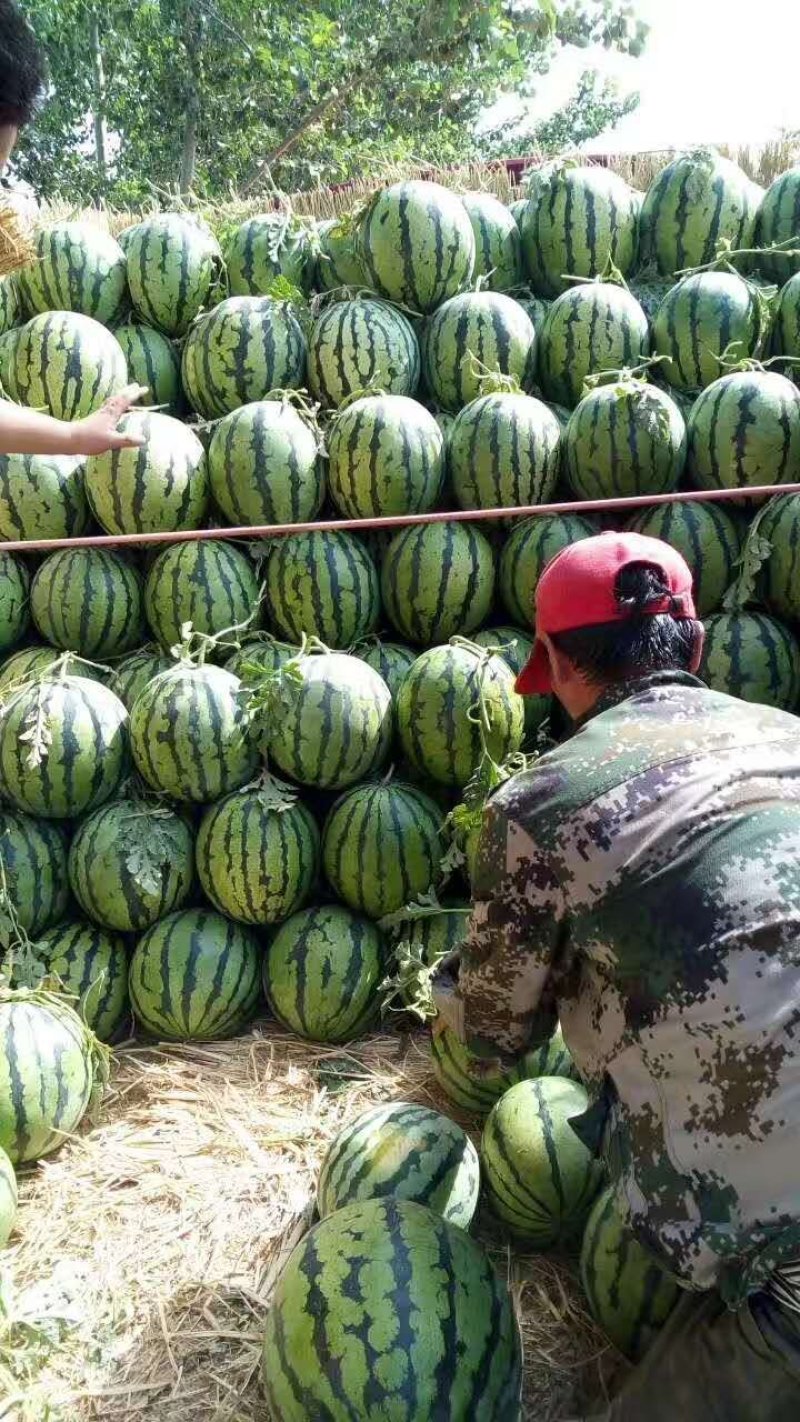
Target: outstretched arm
24, 431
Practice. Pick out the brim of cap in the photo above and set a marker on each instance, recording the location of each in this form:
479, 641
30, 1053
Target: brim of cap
534, 679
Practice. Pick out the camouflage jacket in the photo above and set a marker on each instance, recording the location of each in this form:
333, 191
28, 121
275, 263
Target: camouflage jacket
642, 882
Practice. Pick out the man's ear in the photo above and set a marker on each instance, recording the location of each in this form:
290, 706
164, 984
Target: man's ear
561, 668
697, 651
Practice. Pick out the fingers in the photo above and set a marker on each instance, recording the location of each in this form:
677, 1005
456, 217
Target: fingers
118, 404
125, 441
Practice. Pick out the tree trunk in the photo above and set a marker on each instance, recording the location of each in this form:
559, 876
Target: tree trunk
189, 154
99, 104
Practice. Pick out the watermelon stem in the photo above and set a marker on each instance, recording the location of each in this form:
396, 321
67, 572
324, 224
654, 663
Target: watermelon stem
727, 256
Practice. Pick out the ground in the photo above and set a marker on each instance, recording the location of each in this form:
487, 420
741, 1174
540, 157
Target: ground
137, 1281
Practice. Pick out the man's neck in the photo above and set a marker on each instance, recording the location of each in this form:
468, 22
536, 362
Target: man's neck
613, 692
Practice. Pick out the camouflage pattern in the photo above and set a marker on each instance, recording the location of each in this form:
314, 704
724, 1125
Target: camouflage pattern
642, 883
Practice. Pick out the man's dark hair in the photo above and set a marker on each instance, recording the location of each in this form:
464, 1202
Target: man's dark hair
645, 642
22, 69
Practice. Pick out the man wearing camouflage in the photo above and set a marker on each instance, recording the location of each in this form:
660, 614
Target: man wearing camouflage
642, 882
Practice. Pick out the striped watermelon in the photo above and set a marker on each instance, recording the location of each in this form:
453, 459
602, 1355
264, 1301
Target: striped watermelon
207, 582
10, 303
258, 854
391, 660
540, 1178
261, 651
8, 1198
709, 538
417, 244
470, 335
172, 262
266, 247
65, 364
404, 1151
33, 858
435, 935
239, 352
63, 747
785, 334
153, 362
465, 1081
526, 553
437, 579
629, 1294
385, 1310
517, 209
189, 735
778, 221
624, 439
577, 220
46, 1074
324, 584
264, 465
14, 593
358, 345
322, 973
133, 673
516, 647
753, 656
591, 328
436, 709
131, 863
334, 726
91, 967
382, 847
76, 267
779, 526
89, 601
700, 319
694, 205
498, 249
503, 451
385, 456
338, 258
744, 430
195, 976
42, 496
33, 663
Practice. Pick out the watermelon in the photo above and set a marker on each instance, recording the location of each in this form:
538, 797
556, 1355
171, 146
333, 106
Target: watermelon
779, 527
324, 584
701, 319
239, 352
63, 747
158, 487
153, 362
591, 328
744, 431
785, 334
466, 1082
577, 220
130, 863
391, 660
262, 652
334, 726
435, 935
88, 601
338, 258
404, 1151
417, 244
437, 579
172, 262
65, 364
42, 496
266, 247
14, 593
429, 1327
33, 663
33, 860
264, 465
382, 847
132, 674
709, 538
385, 456
498, 250
695, 204
358, 345
624, 439
470, 335
322, 973
10, 303
91, 967
195, 976
437, 713
8, 1198
540, 1178
76, 267
189, 735
258, 854
628, 1293
778, 221
503, 451
526, 553
516, 647
46, 1075
755, 657
207, 582
517, 209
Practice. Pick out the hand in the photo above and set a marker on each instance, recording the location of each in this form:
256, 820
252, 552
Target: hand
98, 433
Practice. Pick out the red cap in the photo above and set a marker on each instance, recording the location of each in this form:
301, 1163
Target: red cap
576, 589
